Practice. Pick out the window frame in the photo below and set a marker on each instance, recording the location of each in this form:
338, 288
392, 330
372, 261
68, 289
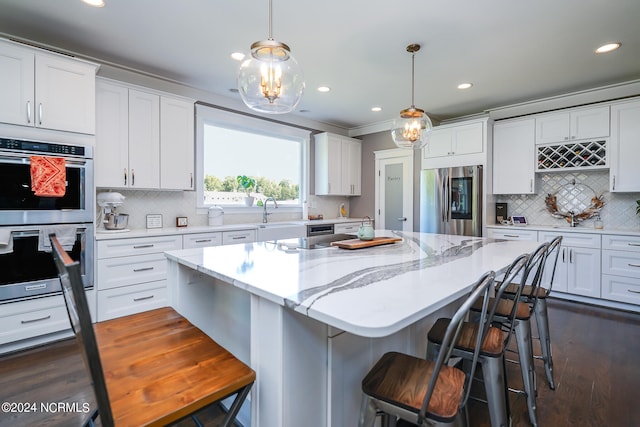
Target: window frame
210, 115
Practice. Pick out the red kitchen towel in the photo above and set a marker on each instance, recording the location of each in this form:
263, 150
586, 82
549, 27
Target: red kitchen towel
48, 176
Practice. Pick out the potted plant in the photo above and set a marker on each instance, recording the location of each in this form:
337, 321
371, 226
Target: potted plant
248, 184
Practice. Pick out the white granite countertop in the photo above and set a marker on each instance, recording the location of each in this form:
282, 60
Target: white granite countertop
371, 292
568, 229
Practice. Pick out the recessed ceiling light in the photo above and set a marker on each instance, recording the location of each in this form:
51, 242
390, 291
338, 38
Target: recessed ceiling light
324, 89
94, 3
238, 56
608, 47
465, 85
376, 109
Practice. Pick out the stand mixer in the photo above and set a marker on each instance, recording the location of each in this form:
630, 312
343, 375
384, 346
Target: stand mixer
110, 221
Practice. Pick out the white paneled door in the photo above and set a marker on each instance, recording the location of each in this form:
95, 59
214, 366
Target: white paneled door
394, 190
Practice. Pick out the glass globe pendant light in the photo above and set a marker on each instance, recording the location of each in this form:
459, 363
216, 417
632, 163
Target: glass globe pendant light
412, 129
270, 80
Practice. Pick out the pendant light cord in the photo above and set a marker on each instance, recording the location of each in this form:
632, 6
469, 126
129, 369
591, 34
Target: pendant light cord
270, 19
413, 61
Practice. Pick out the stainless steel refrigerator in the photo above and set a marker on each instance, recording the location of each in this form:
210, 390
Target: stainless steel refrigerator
451, 200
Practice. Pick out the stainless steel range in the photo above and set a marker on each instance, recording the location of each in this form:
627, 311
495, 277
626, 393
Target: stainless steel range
26, 265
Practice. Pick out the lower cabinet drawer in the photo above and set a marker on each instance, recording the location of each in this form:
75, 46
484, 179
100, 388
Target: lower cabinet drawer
123, 271
622, 289
27, 319
346, 228
511, 234
621, 263
118, 302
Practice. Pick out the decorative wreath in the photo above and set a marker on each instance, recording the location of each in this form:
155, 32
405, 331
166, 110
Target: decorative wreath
592, 210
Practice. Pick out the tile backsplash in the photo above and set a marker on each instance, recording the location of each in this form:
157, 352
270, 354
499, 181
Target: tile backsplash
171, 204
619, 211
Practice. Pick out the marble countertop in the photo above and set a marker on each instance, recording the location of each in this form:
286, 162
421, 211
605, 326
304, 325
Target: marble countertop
165, 231
371, 292
568, 229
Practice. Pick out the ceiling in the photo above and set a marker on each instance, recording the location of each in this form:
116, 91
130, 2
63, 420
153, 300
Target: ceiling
512, 51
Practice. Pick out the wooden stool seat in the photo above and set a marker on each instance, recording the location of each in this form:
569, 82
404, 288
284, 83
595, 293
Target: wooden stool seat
400, 379
492, 346
160, 368
504, 307
527, 291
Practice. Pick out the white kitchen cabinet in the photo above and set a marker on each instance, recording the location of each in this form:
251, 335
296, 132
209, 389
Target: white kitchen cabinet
338, 163
624, 173
578, 267
37, 321
201, 240
143, 139
131, 274
177, 144
512, 233
572, 124
514, 157
621, 268
238, 236
455, 140
46, 90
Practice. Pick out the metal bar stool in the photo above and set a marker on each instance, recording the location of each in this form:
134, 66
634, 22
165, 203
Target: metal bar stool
419, 390
522, 325
492, 351
538, 302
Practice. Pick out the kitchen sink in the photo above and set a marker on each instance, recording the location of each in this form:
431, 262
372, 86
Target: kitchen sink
280, 230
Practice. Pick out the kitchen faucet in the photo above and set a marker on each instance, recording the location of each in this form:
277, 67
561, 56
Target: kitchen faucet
264, 212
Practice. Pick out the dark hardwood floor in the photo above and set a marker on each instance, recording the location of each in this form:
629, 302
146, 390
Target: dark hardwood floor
597, 372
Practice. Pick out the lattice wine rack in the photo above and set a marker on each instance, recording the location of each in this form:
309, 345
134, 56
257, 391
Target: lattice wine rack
573, 155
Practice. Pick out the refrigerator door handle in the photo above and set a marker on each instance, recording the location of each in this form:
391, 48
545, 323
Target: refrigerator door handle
448, 196
443, 209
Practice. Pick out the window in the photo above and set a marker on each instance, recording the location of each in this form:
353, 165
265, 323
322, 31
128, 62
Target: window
230, 145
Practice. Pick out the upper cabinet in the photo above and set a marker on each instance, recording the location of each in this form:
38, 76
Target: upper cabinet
625, 147
143, 139
583, 123
513, 157
46, 90
456, 144
338, 165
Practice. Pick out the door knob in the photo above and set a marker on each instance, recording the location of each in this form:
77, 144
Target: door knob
402, 219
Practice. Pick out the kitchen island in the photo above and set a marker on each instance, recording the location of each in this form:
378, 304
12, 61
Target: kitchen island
311, 322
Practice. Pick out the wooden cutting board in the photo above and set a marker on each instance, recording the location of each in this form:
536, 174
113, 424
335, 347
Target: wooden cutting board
359, 244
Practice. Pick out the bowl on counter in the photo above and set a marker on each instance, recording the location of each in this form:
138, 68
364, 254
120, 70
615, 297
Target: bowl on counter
116, 221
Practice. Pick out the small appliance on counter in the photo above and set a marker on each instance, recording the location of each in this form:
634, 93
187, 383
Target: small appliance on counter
111, 221
215, 216
502, 213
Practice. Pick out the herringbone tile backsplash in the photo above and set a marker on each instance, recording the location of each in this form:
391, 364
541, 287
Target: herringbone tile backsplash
619, 211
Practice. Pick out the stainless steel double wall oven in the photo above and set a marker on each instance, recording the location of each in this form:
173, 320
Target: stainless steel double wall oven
26, 265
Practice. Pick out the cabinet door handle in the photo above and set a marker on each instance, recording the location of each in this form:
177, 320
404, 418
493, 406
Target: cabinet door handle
125, 176
203, 241
634, 265
633, 244
29, 112
138, 270
511, 235
570, 256
150, 245
239, 237
531, 185
191, 180
143, 298
133, 177
614, 183
40, 114
563, 253
24, 322
633, 292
